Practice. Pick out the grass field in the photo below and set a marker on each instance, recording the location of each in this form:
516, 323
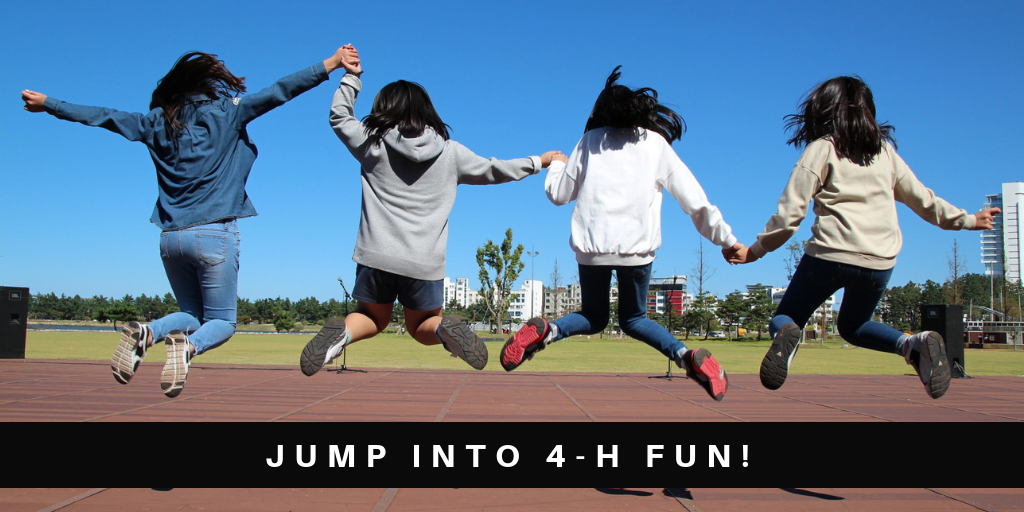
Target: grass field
577, 354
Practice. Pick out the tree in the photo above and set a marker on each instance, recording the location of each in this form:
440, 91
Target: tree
796, 252
556, 281
123, 310
731, 310
701, 271
957, 264
705, 308
497, 291
902, 309
283, 320
760, 308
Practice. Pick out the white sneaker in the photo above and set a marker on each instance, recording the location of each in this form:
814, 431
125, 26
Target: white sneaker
179, 355
325, 346
130, 351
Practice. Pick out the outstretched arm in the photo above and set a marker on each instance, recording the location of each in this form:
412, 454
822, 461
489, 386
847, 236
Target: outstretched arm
130, 125
256, 104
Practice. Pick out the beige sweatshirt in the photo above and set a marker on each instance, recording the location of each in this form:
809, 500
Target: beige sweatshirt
855, 207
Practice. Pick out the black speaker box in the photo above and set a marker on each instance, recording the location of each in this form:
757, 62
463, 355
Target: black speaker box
13, 321
948, 321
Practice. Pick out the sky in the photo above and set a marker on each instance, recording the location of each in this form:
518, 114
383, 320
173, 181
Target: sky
512, 79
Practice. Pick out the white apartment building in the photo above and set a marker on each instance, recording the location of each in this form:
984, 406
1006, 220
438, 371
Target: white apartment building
1000, 246
460, 290
527, 301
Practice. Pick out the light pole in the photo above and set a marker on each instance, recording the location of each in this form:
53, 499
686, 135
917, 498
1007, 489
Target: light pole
532, 255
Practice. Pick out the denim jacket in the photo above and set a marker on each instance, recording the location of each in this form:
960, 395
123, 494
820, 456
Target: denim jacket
201, 173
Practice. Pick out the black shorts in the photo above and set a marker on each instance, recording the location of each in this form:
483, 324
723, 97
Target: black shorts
381, 287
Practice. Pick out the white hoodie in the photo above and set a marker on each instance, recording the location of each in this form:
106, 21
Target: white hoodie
616, 176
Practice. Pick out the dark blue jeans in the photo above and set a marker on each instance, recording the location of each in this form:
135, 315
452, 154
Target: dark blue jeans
595, 282
816, 280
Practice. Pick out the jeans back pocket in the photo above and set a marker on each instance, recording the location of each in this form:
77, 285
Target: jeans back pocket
212, 249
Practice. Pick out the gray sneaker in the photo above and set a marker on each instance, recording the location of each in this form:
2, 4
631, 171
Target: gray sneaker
926, 352
179, 355
325, 346
461, 341
775, 366
130, 351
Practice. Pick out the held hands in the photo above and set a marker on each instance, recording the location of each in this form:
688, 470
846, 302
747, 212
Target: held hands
33, 100
738, 254
983, 218
345, 57
550, 156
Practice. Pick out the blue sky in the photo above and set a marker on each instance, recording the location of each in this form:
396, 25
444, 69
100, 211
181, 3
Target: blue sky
512, 79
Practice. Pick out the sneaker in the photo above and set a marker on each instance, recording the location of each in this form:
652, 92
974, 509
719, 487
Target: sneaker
525, 343
703, 368
130, 351
462, 342
926, 352
775, 366
325, 346
179, 354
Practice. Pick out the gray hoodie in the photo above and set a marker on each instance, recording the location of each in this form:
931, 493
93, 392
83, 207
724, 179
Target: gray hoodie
409, 189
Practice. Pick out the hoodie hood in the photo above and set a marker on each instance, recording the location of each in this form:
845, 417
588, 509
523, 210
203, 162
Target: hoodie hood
425, 146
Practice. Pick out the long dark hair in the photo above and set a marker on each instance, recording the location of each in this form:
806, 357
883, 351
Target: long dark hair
195, 73
406, 106
843, 110
619, 106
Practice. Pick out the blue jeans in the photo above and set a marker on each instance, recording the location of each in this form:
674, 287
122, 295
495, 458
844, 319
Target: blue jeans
202, 266
595, 282
816, 280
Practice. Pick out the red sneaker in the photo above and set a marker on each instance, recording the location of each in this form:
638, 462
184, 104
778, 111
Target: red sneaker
702, 367
525, 343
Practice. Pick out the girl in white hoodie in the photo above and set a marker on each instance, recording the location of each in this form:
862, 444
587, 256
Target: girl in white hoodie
616, 175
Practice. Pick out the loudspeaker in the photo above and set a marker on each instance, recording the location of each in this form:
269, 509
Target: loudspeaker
13, 321
948, 321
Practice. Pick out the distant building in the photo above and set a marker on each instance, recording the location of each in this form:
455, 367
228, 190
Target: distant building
459, 290
667, 292
1000, 246
527, 301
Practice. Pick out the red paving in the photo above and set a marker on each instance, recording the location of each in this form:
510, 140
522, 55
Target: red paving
50, 392
563, 500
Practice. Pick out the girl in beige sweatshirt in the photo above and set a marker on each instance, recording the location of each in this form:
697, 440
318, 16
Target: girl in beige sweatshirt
851, 171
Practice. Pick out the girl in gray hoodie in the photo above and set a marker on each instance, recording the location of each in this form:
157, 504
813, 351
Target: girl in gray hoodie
410, 169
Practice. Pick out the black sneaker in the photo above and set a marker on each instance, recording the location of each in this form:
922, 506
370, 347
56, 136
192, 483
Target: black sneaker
775, 366
325, 346
130, 351
461, 341
926, 352
179, 355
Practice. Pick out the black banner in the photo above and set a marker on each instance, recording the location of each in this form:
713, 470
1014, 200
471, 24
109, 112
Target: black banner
505, 455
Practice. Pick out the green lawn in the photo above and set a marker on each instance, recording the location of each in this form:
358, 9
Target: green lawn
577, 354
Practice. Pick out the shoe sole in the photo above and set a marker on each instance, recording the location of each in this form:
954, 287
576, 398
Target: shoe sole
172, 379
938, 382
122, 363
775, 366
512, 355
705, 364
463, 342
314, 355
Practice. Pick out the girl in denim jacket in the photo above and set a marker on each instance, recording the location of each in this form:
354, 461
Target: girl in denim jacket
196, 135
